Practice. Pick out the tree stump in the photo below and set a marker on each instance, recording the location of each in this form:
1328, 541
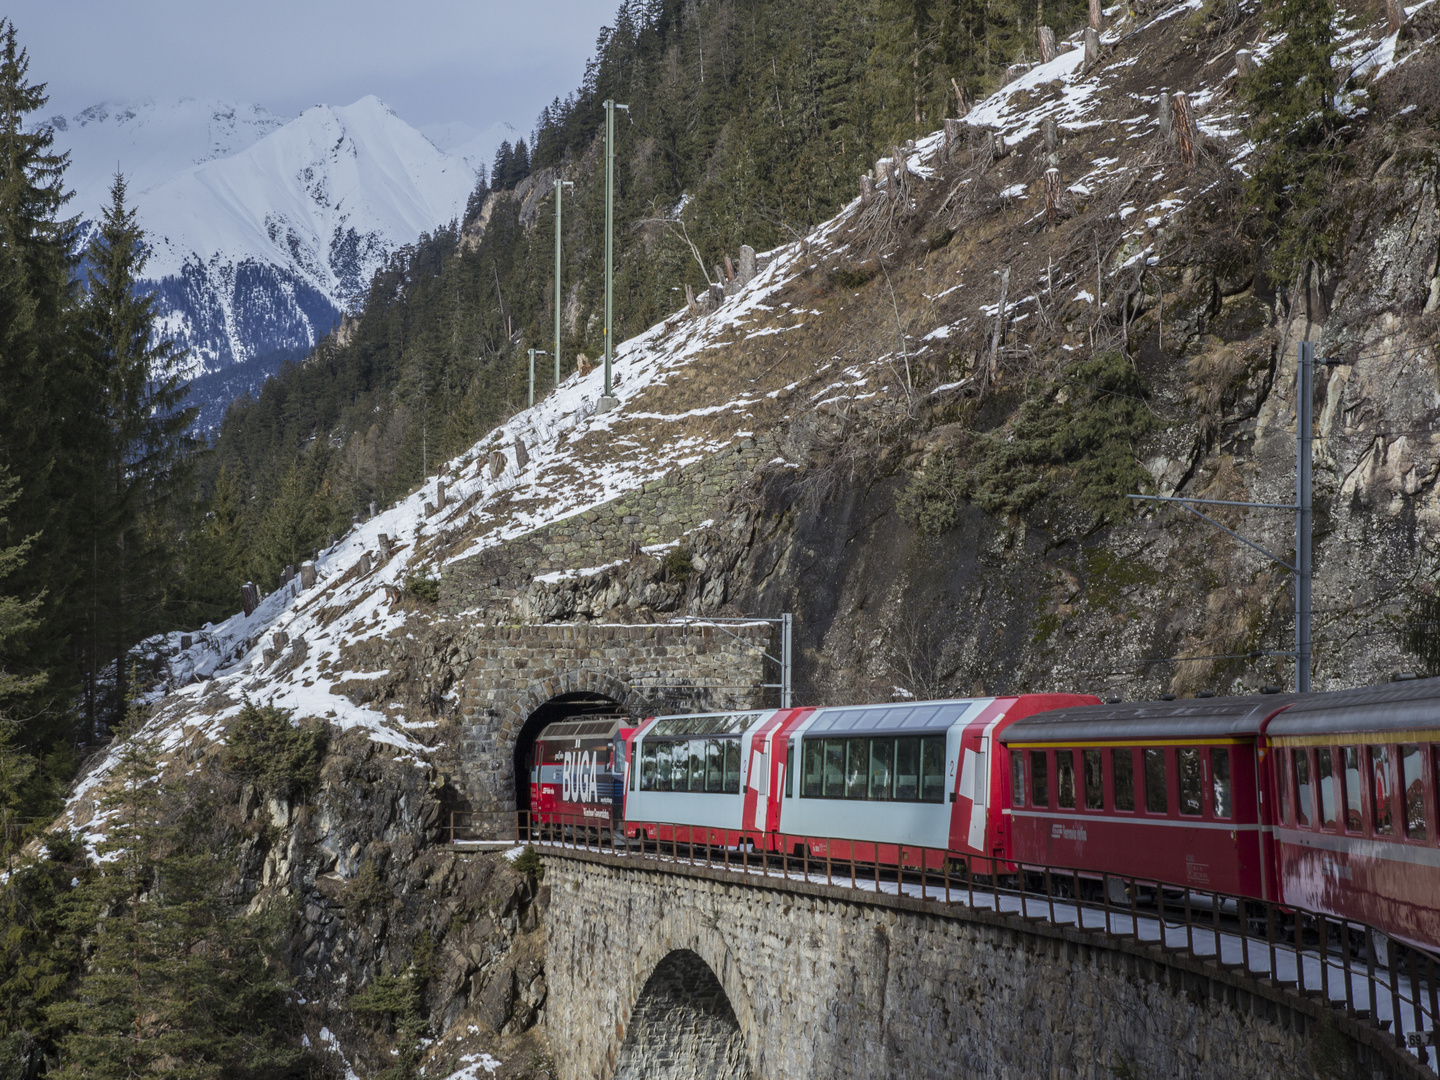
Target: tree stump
1394, 15
429, 509
497, 464
952, 136
522, 456
1167, 117
747, 264
1052, 197
373, 507
1092, 47
998, 337
1013, 72
439, 494
690, 299
1185, 133
898, 168
867, 189
1048, 48
1244, 62
307, 571
583, 365
364, 563
1051, 131
185, 642
1096, 15
729, 270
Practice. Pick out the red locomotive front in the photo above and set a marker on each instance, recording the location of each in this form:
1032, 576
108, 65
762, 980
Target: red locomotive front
577, 772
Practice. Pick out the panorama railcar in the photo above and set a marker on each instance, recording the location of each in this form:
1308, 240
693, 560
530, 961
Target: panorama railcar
867, 782
577, 772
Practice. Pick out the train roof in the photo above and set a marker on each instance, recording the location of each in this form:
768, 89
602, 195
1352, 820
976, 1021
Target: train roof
584, 727
1194, 718
692, 725
901, 717
1396, 706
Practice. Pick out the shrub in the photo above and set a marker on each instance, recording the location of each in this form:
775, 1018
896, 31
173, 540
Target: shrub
679, 565
528, 863
265, 748
422, 588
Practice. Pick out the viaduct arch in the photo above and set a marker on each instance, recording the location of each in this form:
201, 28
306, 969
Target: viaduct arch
821, 981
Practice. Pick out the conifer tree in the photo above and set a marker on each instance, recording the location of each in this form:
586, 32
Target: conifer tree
1295, 128
45, 431
140, 460
171, 982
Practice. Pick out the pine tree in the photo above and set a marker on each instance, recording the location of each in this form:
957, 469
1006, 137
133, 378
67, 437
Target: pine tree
1295, 129
171, 982
500, 171
141, 460
45, 430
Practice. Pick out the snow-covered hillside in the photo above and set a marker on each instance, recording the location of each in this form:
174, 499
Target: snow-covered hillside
463, 140
263, 231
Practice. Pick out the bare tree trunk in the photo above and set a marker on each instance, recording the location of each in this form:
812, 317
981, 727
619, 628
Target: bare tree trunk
1167, 117
962, 107
1184, 130
1096, 16
999, 335
1048, 49
1052, 197
952, 136
1394, 15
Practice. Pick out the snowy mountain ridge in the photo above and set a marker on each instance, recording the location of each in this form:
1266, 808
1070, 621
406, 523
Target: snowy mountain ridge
262, 230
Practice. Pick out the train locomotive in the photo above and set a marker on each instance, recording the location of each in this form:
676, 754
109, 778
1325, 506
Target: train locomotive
1326, 801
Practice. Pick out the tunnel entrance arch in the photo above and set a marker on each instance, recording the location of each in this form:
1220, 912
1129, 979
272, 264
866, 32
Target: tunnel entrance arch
683, 1025
561, 707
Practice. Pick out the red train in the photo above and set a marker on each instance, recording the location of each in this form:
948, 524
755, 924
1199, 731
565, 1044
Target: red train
1326, 801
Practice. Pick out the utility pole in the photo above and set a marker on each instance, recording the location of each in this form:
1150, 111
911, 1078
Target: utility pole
786, 681
608, 401
1305, 362
533, 353
560, 186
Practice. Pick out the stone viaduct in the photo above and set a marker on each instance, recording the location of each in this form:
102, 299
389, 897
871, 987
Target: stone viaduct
694, 972
519, 678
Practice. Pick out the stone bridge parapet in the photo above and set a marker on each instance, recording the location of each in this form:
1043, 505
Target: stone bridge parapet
822, 981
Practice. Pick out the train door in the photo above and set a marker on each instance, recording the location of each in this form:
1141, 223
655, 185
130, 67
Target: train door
759, 781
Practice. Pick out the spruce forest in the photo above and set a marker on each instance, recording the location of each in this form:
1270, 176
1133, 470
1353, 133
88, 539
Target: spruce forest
749, 122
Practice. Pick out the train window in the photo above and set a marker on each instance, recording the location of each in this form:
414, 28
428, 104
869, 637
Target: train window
1304, 804
1065, 779
1094, 780
714, 766
732, 766
1157, 798
907, 769
834, 769
857, 767
932, 768
882, 763
1122, 769
1326, 780
1412, 792
789, 768
1188, 762
1282, 775
1383, 789
1354, 818
664, 765
1220, 780
697, 764
1017, 779
647, 767
1039, 778
812, 761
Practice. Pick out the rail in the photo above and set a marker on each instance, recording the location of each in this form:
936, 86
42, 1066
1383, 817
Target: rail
1348, 965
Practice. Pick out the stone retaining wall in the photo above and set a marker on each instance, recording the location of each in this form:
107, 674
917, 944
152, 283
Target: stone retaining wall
824, 983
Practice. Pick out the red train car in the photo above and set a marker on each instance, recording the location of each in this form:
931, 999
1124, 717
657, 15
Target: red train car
577, 772
1357, 829
1165, 790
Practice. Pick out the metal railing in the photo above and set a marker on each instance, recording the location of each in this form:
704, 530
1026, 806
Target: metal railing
1348, 965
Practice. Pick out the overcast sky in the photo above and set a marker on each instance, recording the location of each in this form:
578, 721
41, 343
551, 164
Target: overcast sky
476, 61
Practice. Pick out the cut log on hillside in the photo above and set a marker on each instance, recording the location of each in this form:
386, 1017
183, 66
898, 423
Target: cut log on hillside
1185, 132
1048, 48
1167, 117
1052, 197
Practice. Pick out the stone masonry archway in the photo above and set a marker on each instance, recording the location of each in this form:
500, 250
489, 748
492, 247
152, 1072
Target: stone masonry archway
645, 669
683, 1026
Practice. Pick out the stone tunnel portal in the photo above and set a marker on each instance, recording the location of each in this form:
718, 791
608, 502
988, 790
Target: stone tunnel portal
682, 1026
561, 707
